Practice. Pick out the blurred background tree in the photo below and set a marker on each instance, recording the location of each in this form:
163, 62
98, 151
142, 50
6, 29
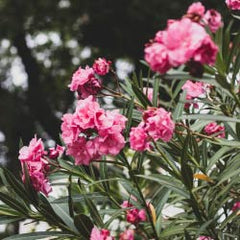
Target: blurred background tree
43, 42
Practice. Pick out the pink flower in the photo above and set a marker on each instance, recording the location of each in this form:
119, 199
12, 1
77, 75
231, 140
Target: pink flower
207, 52
236, 206
134, 215
182, 41
138, 138
213, 19
204, 238
233, 4
103, 234
159, 124
149, 92
196, 9
91, 132
33, 157
101, 66
85, 83
127, 235
56, 152
194, 89
213, 128
156, 56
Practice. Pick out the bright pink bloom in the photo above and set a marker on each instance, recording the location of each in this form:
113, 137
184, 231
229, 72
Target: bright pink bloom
102, 234
236, 206
56, 152
138, 138
33, 158
213, 19
204, 238
213, 128
194, 89
196, 9
157, 57
207, 52
85, 83
158, 124
134, 215
233, 4
91, 132
127, 235
101, 66
182, 41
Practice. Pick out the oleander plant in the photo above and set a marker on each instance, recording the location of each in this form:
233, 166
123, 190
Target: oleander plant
170, 140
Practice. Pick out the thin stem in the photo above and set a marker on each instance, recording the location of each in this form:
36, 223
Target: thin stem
142, 198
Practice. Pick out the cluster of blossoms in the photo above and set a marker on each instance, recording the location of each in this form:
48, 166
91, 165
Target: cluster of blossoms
233, 4
91, 132
204, 238
157, 124
183, 41
194, 90
34, 158
86, 82
134, 215
214, 128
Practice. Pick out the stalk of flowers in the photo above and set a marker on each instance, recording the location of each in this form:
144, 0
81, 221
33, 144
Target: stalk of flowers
233, 4
91, 132
183, 41
157, 124
35, 159
85, 81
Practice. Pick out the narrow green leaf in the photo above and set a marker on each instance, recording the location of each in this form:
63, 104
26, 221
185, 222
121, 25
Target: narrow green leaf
84, 224
37, 235
141, 97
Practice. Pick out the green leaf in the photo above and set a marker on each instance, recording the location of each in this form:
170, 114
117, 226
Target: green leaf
141, 97
180, 106
62, 211
186, 170
95, 196
167, 182
94, 212
155, 92
9, 219
12, 202
84, 224
210, 117
37, 235
129, 116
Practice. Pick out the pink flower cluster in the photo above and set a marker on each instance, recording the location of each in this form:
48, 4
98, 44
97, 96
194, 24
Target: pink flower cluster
34, 158
134, 215
214, 128
183, 40
85, 82
157, 124
101, 66
102, 234
233, 4
91, 132
236, 206
194, 90
211, 18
